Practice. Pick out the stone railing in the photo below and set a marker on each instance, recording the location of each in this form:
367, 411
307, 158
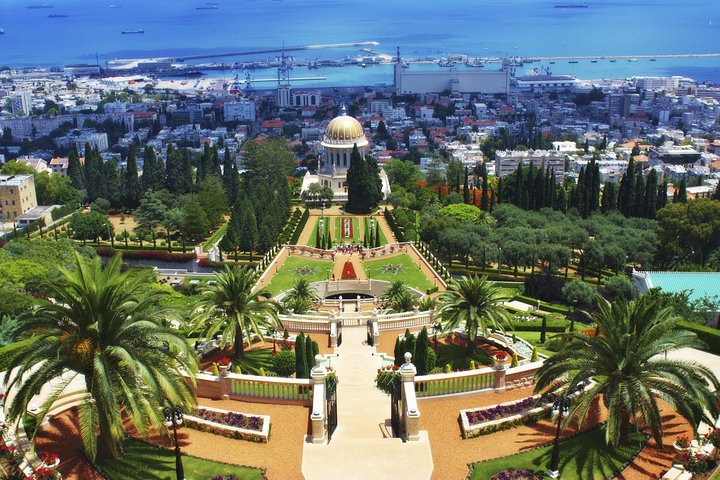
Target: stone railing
473, 381
404, 321
292, 322
255, 388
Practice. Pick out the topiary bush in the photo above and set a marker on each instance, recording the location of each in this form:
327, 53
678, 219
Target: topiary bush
284, 363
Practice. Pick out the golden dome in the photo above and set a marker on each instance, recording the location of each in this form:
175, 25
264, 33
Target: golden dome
344, 129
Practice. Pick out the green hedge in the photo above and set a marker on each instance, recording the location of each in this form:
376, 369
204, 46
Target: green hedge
548, 307
554, 326
300, 227
708, 335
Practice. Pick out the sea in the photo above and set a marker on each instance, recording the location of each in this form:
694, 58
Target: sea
91, 32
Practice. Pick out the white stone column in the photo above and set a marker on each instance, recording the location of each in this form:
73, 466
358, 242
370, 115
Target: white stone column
411, 412
375, 329
318, 375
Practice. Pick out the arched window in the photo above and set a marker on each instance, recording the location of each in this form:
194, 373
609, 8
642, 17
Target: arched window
345, 159
297, 100
312, 100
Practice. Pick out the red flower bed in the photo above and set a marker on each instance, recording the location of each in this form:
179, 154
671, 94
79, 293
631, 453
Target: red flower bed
147, 255
346, 221
348, 272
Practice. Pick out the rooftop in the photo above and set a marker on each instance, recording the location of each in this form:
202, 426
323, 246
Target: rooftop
699, 284
14, 180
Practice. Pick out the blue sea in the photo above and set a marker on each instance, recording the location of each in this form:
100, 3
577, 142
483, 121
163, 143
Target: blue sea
474, 27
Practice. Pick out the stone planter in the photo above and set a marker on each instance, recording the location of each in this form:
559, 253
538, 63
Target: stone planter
680, 449
224, 370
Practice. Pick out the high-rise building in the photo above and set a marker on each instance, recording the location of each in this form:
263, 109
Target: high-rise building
240, 110
21, 103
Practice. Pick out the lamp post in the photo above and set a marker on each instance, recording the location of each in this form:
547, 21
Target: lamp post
572, 320
437, 328
272, 331
499, 259
173, 418
561, 408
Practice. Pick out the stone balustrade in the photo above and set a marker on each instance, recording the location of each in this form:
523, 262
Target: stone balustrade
255, 388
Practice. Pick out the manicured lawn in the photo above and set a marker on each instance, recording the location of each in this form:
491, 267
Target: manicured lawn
534, 339
338, 238
154, 463
399, 267
383, 238
313, 235
583, 457
294, 267
457, 357
215, 236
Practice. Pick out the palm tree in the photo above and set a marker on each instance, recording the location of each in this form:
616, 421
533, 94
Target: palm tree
231, 307
631, 371
403, 301
395, 289
105, 326
475, 304
301, 296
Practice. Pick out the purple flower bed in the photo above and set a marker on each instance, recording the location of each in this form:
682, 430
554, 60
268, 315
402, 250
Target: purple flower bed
231, 419
500, 411
512, 474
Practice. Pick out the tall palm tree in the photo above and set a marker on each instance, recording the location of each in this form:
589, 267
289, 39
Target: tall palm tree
231, 307
473, 303
631, 371
301, 296
107, 326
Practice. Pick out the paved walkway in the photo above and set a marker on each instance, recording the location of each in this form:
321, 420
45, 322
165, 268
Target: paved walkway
360, 447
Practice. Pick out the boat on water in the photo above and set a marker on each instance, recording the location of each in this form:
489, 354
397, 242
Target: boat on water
2, 31
131, 32
593, 61
632, 60
613, 61
573, 61
571, 5
43, 5
57, 16
652, 59
114, 6
207, 7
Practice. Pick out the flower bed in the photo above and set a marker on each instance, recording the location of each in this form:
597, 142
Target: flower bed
482, 421
241, 426
513, 474
146, 255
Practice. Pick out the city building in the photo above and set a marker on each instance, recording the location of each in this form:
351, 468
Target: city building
17, 195
239, 111
21, 103
546, 82
40, 213
341, 135
98, 141
507, 161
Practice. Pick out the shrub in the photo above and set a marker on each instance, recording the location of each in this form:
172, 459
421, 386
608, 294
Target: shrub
284, 363
708, 335
431, 360
534, 356
448, 368
514, 362
544, 287
620, 286
215, 370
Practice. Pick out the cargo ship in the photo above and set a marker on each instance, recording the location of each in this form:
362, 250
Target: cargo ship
131, 32
44, 5
571, 5
56, 15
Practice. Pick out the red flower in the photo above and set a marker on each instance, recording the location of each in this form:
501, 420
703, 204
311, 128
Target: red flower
224, 362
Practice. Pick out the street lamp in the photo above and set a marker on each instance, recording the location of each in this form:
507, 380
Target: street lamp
437, 328
272, 331
173, 418
499, 259
561, 408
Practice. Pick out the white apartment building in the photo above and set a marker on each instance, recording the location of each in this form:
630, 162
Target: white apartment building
21, 103
506, 161
240, 110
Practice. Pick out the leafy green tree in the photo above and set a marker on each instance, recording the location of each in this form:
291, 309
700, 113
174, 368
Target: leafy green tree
402, 173
74, 170
248, 232
284, 363
16, 168
690, 230
90, 226
230, 177
621, 286
364, 185
195, 221
309, 357
55, 189
461, 212
301, 297
213, 199
399, 351
151, 213
107, 327
268, 158
474, 304
231, 307
178, 171
100, 205
578, 293
631, 372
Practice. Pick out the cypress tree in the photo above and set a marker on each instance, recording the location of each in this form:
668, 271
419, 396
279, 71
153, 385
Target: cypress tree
651, 191
318, 237
377, 234
466, 188
231, 178
310, 358
662, 196
421, 348
315, 350
300, 358
153, 171
638, 193
398, 352
248, 229
132, 189
409, 343
543, 329
214, 168
203, 164
484, 199
75, 171
682, 191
